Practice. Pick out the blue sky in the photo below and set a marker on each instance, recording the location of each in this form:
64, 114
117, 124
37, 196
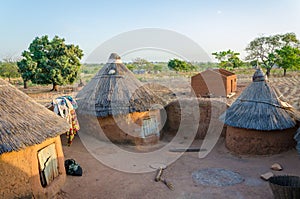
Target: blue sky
214, 25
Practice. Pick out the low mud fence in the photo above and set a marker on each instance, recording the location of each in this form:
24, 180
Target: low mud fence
209, 111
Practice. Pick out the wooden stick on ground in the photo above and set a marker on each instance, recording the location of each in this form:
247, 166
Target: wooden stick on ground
158, 175
186, 150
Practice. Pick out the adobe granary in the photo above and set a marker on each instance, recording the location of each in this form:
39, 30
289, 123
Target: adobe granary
125, 109
31, 156
214, 83
259, 122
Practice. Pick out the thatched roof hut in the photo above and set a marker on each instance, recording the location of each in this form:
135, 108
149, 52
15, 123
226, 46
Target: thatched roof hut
24, 122
114, 92
26, 128
259, 108
258, 113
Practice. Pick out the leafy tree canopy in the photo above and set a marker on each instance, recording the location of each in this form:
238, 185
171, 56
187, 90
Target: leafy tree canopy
228, 59
158, 67
141, 63
50, 62
288, 58
263, 49
131, 66
179, 65
9, 69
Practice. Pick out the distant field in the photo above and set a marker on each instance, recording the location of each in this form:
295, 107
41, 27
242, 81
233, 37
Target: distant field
170, 84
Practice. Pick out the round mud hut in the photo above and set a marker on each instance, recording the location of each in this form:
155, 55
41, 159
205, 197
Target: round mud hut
31, 156
126, 111
259, 122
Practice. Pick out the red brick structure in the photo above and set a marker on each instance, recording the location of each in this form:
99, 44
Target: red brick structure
214, 82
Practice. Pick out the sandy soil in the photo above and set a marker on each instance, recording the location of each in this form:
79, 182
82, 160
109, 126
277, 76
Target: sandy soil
289, 88
100, 181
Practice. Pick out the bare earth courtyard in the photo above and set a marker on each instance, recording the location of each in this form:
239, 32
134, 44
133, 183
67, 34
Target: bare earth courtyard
101, 181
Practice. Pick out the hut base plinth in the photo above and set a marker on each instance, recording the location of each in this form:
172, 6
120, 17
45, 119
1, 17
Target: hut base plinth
252, 142
126, 129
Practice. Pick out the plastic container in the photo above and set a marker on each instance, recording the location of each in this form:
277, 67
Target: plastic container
285, 187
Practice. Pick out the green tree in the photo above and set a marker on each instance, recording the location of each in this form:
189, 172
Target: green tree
131, 66
158, 67
263, 49
179, 65
228, 59
27, 68
9, 69
50, 62
288, 58
140, 63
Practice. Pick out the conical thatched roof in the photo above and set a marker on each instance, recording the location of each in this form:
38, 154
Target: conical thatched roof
23, 122
114, 90
258, 108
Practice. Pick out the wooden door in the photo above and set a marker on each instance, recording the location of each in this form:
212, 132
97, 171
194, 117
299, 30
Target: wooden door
150, 127
48, 164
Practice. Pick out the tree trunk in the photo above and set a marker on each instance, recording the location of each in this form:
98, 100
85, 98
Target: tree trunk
284, 71
268, 73
25, 84
55, 87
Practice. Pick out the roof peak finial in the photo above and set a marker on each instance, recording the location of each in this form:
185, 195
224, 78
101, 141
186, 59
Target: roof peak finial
258, 75
114, 58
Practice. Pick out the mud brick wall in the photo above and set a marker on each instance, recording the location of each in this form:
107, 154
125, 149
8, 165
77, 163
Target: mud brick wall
218, 85
183, 113
19, 173
122, 129
252, 142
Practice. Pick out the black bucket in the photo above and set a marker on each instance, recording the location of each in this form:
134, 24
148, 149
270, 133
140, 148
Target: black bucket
285, 187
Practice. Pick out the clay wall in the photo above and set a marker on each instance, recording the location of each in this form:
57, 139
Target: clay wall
201, 81
19, 171
182, 113
245, 141
126, 129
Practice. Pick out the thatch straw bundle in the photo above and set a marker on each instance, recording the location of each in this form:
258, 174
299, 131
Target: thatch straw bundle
113, 91
259, 108
23, 122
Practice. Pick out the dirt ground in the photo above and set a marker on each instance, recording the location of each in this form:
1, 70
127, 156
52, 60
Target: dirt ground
100, 181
